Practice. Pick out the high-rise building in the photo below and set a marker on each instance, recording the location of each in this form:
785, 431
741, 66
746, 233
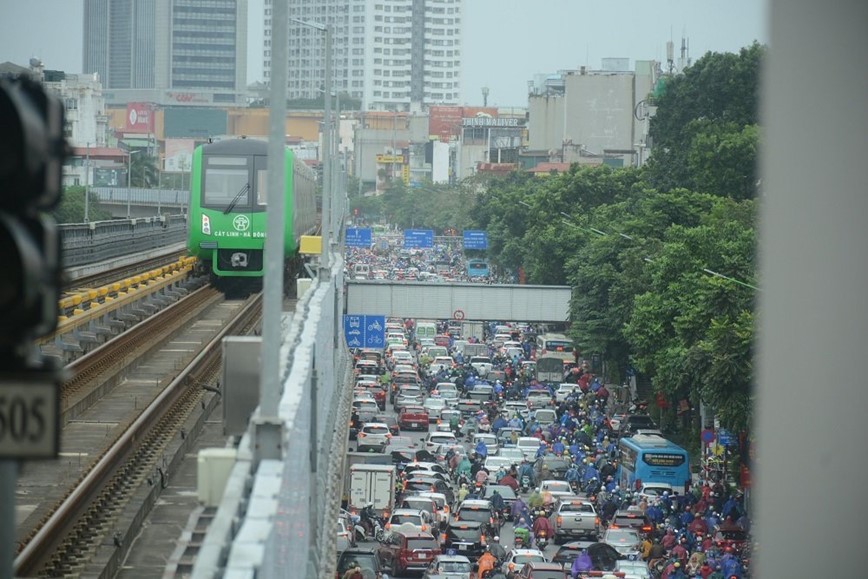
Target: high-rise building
196, 46
391, 54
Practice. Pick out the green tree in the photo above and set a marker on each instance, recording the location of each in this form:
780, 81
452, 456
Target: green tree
719, 89
71, 207
143, 171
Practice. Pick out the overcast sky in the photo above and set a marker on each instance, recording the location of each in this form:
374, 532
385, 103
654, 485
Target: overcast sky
506, 42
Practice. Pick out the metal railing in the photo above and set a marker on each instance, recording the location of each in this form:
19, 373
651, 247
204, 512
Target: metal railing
85, 243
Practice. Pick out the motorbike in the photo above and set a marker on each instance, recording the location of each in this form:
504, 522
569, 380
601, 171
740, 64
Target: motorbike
371, 523
524, 483
542, 540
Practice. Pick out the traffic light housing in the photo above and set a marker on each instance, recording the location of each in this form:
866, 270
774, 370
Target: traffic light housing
32, 152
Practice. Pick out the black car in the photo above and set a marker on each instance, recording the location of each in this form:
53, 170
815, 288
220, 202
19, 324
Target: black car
480, 511
556, 467
635, 422
366, 559
469, 407
468, 538
568, 553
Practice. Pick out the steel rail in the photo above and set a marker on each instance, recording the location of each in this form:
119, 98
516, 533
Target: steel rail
45, 541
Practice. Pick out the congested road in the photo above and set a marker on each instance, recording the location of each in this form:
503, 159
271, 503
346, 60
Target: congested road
450, 411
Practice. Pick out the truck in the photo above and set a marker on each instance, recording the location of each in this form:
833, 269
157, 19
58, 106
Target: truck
372, 484
574, 518
472, 330
550, 369
471, 350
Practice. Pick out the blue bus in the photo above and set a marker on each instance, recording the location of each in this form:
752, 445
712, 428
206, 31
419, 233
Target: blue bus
477, 268
648, 459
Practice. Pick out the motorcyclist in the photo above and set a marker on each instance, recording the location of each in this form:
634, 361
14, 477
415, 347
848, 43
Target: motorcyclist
454, 424
519, 509
462, 492
541, 524
510, 481
522, 529
496, 549
464, 467
497, 502
526, 470
581, 564
353, 572
481, 449
485, 563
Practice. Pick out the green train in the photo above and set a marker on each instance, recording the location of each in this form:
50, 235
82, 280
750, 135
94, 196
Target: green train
228, 208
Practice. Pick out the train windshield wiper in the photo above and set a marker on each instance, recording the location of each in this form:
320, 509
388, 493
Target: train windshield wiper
236, 199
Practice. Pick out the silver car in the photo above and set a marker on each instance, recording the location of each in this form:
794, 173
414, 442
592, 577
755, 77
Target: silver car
449, 567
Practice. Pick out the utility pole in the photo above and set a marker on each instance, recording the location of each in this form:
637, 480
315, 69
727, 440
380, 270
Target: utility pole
87, 183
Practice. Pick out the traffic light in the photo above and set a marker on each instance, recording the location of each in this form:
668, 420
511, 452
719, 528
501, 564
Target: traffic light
32, 151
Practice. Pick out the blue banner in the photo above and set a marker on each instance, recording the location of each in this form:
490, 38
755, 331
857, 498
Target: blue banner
475, 239
358, 237
365, 331
418, 238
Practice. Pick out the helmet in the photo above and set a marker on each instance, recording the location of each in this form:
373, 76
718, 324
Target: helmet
496, 539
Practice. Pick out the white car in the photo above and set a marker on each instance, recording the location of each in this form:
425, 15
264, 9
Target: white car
556, 488
482, 365
441, 364
633, 569
434, 406
373, 436
409, 519
564, 390
514, 454
448, 392
489, 440
493, 464
529, 446
435, 439
516, 407
517, 558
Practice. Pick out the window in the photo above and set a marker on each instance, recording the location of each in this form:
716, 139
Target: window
226, 178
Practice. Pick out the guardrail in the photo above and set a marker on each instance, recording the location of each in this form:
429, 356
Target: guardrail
168, 198
85, 243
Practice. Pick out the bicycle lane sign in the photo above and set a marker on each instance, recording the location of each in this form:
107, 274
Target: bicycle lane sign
365, 331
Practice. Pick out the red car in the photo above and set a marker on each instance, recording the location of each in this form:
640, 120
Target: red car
413, 418
412, 551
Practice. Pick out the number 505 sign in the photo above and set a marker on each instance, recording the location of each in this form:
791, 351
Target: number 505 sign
29, 418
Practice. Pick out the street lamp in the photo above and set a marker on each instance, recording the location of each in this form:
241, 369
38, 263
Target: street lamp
87, 184
326, 144
129, 177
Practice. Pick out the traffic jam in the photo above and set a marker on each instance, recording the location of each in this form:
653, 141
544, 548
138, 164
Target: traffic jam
480, 449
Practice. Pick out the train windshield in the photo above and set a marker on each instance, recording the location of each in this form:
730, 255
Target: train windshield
261, 186
225, 177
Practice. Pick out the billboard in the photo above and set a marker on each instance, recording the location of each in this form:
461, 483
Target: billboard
140, 118
179, 155
444, 123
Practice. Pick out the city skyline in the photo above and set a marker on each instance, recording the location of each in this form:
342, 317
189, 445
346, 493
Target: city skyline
506, 42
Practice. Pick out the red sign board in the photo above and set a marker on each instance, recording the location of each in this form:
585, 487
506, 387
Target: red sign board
445, 122
140, 118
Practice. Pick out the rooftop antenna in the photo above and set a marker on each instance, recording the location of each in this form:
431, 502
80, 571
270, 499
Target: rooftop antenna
670, 58
485, 96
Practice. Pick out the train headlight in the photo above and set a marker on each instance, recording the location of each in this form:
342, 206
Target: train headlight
206, 224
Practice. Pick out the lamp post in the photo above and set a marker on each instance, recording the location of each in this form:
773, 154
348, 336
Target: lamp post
326, 144
130, 178
87, 184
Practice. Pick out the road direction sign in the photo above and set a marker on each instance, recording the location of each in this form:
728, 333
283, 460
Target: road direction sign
365, 331
358, 237
475, 239
418, 238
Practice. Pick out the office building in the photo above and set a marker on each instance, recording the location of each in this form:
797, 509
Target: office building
168, 51
393, 55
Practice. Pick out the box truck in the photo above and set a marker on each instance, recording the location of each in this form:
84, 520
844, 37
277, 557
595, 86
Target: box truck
372, 484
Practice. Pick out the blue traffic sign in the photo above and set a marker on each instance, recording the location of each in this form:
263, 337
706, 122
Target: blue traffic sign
475, 239
365, 331
725, 437
358, 237
418, 238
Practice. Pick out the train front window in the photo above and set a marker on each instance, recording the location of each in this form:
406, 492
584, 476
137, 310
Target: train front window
261, 187
225, 178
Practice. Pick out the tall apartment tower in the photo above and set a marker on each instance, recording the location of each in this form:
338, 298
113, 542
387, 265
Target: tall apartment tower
167, 44
391, 54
